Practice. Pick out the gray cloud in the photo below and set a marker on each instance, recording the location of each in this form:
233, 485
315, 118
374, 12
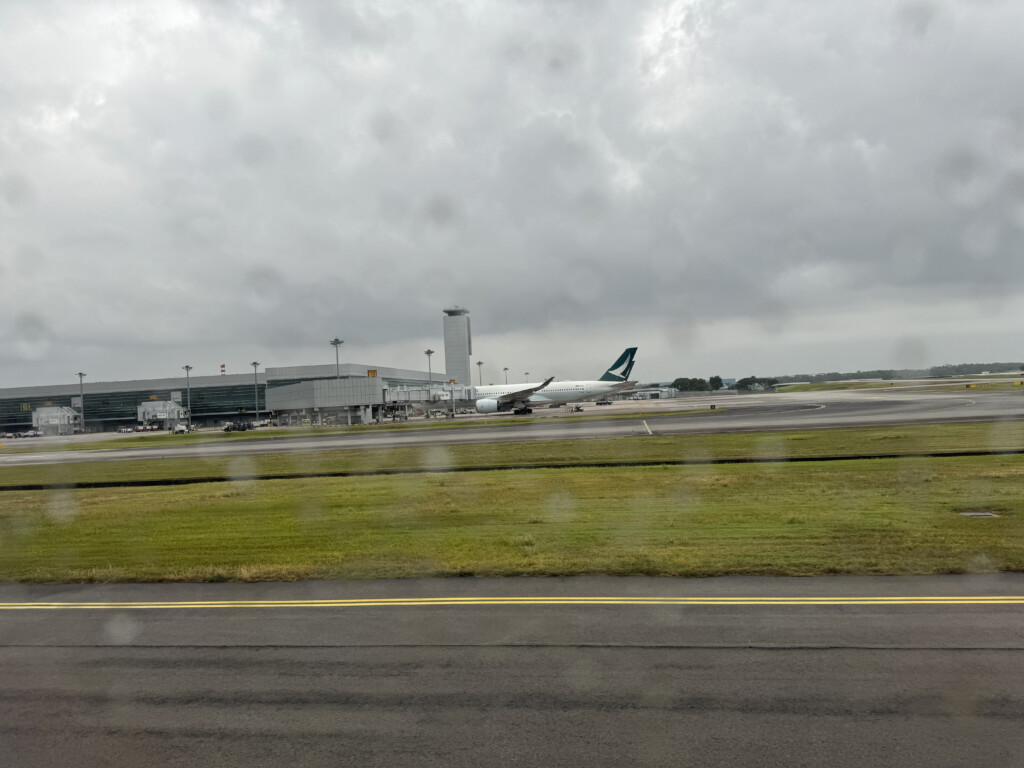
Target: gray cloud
228, 178
16, 189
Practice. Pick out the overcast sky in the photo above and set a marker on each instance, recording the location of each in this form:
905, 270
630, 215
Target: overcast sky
736, 188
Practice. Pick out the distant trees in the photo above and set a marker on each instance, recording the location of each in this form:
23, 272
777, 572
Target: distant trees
698, 385
969, 369
937, 371
691, 385
754, 384
887, 374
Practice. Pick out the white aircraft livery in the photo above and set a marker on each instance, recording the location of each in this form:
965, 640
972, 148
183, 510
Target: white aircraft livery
519, 398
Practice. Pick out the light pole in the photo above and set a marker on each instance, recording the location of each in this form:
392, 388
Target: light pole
256, 388
480, 368
188, 388
506, 374
336, 342
81, 398
430, 373
526, 377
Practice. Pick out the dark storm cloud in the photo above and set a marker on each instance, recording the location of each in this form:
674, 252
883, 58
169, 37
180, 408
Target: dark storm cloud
213, 176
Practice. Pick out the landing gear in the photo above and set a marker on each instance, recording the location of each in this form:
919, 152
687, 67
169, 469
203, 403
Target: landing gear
522, 411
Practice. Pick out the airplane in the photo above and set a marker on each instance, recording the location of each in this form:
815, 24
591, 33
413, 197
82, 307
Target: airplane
518, 398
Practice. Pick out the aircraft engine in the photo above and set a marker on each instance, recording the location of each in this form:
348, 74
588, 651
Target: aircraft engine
487, 405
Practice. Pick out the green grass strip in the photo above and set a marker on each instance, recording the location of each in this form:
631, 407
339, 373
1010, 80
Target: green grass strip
831, 386
917, 385
904, 440
158, 440
878, 517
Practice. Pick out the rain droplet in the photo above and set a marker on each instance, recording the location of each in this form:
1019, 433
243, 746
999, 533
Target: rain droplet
121, 629
32, 335
16, 189
254, 150
61, 507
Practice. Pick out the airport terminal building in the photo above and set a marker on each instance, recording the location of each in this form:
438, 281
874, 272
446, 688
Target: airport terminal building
348, 393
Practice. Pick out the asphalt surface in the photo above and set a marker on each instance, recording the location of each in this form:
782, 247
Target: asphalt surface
844, 671
865, 673
749, 413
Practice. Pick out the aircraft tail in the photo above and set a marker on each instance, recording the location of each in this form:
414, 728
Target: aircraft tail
621, 368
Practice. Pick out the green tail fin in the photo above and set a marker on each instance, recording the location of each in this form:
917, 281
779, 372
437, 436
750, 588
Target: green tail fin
621, 368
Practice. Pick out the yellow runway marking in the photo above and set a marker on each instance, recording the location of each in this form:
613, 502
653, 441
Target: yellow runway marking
473, 601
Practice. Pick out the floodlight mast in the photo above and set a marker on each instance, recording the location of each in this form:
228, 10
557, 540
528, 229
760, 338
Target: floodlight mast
506, 374
480, 368
430, 372
81, 398
188, 389
336, 342
256, 389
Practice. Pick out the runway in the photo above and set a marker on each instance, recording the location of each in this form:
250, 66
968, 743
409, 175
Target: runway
401, 678
779, 411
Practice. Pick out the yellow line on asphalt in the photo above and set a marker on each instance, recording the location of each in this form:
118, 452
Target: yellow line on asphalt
457, 601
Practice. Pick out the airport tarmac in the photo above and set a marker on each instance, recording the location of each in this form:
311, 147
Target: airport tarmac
838, 671
748, 413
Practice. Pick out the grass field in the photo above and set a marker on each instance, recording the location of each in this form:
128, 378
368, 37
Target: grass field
829, 386
881, 516
156, 440
999, 383
913, 439
987, 386
866, 516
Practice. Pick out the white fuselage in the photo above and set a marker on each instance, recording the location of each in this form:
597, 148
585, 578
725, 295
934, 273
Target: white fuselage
557, 391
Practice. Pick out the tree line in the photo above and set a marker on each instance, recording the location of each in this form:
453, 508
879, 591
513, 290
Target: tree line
754, 384
714, 383
711, 384
936, 371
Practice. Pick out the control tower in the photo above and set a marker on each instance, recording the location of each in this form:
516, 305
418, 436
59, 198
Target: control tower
458, 345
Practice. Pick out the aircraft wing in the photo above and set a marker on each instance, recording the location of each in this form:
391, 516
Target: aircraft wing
523, 394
